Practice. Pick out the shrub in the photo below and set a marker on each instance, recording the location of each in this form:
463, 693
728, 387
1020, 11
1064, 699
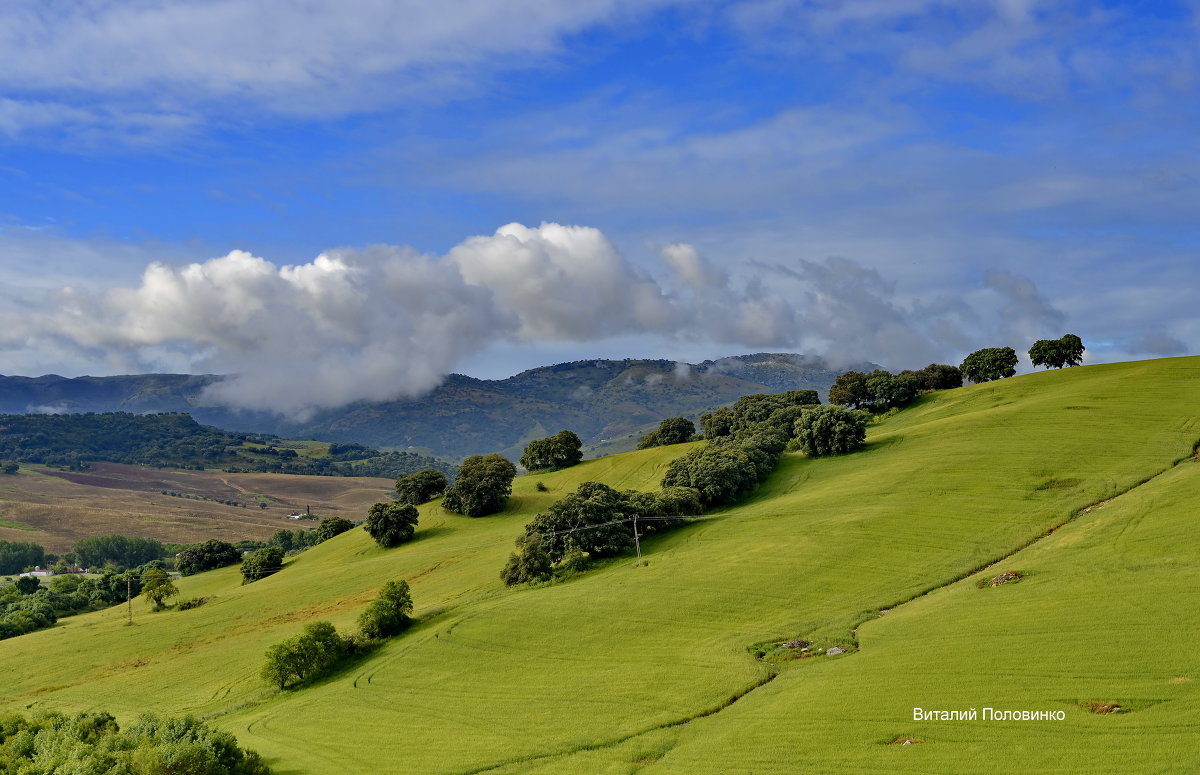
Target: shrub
482, 486
332, 526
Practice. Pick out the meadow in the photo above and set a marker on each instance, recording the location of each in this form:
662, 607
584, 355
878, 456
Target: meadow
1082, 480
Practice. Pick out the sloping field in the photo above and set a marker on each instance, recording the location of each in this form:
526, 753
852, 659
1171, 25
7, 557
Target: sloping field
628, 669
56, 508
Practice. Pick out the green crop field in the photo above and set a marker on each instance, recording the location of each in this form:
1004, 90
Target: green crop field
1084, 481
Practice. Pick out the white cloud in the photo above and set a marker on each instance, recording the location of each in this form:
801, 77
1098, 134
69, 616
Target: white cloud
317, 59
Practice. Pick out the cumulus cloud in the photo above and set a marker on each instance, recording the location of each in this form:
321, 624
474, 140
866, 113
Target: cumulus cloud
386, 322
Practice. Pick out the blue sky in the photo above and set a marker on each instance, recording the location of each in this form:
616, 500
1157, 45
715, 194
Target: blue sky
895, 180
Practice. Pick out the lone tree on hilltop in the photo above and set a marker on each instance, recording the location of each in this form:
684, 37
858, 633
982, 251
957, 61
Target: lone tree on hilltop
391, 524
482, 486
831, 430
1067, 351
989, 364
673, 430
420, 486
562, 450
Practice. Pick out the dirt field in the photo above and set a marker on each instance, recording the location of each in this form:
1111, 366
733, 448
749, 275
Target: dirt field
56, 508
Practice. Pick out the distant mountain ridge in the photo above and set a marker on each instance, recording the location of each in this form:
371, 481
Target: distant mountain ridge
608, 403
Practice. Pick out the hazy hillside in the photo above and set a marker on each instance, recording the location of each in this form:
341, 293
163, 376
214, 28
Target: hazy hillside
1082, 480
608, 403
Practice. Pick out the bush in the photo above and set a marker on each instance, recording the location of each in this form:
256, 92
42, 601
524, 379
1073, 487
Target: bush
190, 603
721, 474
389, 613
391, 524
831, 430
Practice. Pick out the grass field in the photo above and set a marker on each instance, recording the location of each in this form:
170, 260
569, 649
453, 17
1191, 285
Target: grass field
630, 669
56, 508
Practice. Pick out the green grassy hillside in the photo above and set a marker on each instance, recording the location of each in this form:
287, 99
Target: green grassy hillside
628, 669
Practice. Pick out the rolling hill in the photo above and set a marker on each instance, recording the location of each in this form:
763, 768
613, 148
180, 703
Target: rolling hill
1083, 481
608, 403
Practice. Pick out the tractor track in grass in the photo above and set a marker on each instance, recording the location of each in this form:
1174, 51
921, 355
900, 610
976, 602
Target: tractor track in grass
992, 564
774, 672
613, 742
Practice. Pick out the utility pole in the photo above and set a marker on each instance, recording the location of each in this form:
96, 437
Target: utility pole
129, 597
637, 541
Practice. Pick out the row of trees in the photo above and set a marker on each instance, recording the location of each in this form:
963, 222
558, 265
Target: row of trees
992, 363
594, 521
749, 438
27, 605
319, 649
127, 551
882, 390
780, 410
16, 556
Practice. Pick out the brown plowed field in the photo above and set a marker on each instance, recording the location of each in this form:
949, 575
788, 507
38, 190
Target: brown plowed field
56, 508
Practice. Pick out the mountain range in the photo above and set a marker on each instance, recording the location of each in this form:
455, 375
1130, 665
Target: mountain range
608, 403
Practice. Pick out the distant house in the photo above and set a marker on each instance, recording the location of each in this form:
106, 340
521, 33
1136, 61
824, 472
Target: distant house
39, 573
295, 516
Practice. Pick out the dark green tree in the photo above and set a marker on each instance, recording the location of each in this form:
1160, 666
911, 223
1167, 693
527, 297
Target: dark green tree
562, 450
482, 486
27, 585
309, 655
11, 468
391, 524
938, 376
673, 430
206, 556
1057, 353
717, 423
157, 587
16, 556
389, 613
850, 389
593, 519
831, 430
418, 487
720, 473
530, 562
332, 526
989, 364
261, 564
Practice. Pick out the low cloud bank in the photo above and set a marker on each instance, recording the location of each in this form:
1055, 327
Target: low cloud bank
386, 322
